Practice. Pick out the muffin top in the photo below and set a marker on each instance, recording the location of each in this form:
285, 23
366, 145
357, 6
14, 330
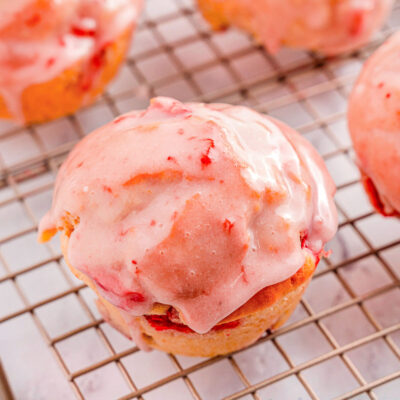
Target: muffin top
374, 122
191, 205
39, 39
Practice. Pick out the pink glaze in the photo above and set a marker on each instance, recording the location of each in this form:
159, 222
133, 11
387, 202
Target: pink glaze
41, 39
374, 122
331, 27
192, 205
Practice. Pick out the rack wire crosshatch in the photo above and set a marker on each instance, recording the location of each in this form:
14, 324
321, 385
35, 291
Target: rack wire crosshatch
342, 342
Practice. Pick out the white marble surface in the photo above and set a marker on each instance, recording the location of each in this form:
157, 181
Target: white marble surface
30, 362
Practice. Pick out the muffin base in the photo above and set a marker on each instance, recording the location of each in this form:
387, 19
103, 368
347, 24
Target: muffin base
226, 340
74, 88
275, 312
213, 343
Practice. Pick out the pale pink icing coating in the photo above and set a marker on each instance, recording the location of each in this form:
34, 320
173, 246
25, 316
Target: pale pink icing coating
374, 122
331, 27
39, 42
192, 205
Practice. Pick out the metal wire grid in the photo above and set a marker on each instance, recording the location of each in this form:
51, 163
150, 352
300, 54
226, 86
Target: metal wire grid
279, 86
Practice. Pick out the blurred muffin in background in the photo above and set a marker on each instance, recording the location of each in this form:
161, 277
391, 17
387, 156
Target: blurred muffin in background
58, 55
374, 123
327, 26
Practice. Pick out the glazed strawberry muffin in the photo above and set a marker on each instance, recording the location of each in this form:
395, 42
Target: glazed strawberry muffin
328, 26
58, 55
198, 226
374, 123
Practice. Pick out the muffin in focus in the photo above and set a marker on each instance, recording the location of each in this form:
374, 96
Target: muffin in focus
374, 124
57, 56
198, 226
326, 26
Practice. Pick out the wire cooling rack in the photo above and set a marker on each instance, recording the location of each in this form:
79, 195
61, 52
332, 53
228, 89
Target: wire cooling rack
343, 340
